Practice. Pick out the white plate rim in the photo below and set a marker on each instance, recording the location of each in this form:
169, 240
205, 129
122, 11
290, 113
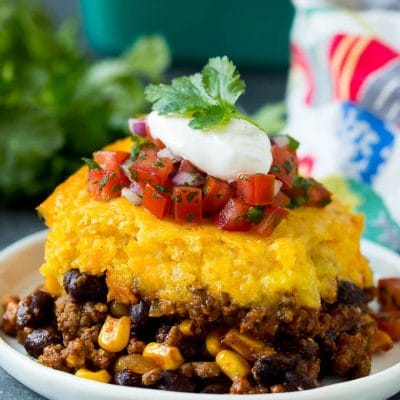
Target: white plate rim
26, 364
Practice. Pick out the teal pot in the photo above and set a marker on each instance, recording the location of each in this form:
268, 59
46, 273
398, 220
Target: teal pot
252, 33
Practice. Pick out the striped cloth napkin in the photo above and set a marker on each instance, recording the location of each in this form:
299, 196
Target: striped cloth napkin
343, 104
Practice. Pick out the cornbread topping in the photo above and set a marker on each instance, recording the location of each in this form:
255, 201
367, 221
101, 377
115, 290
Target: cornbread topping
303, 257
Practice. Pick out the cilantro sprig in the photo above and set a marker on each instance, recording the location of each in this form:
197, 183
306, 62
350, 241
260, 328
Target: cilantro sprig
91, 163
209, 97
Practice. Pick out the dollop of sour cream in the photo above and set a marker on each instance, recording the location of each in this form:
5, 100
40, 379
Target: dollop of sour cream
224, 152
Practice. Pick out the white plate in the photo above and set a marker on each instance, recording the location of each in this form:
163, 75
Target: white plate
18, 274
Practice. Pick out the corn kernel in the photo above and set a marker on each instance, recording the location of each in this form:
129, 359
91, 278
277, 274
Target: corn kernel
187, 327
278, 389
99, 376
381, 341
136, 363
245, 345
114, 334
232, 364
214, 341
166, 357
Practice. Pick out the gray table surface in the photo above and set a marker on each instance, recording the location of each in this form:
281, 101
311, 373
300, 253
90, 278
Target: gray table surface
15, 224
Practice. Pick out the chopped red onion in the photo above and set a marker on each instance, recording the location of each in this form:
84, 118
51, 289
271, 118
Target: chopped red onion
125, 166
136, 188
132, 196
137, 126
277, 186
183, 178
167, 153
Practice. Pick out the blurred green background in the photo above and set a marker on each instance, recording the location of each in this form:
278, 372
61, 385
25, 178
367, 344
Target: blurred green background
71, 73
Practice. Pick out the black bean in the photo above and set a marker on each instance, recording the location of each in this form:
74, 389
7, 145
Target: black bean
298, 381
348, 293
126, 377
269, 370
38, 339
191, 349
327, 346
83, 287
139, 315
305, 347
216, 388
35, 310
176, 382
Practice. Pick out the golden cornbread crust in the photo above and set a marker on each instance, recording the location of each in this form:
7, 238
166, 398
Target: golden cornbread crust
304, 257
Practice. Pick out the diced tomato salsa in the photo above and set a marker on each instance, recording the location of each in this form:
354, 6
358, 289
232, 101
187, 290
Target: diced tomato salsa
233, 217
256, 202
388, 319
389, 322
103, 185
257, 189
110, 160
216, 194
389, 293
187, 204
284, 165
151, 169
273, 216
157, 202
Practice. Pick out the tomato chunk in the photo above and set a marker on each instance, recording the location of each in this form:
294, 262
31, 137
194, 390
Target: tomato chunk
151, 169
233, 217
256, 189
284, 165
160, 145
187, 204
216, 194
157, 202
148, 150
187, 166
389, 322
103, 185
273, 215
309, 192
110, 160
389, 294
281, 200
318, 195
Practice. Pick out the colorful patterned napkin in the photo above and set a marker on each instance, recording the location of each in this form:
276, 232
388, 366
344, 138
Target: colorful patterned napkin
343, 104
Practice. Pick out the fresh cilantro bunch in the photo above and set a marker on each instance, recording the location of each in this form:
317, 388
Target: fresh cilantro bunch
56, 106
209, 97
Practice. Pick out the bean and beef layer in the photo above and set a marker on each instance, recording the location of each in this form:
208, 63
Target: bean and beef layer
208, 346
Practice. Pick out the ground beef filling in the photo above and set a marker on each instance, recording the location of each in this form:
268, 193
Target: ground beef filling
209, 345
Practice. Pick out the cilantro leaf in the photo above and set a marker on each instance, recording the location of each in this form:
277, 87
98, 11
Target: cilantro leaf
255, 214
214, 115
137, 144
185, 94
222, 81
209, 97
